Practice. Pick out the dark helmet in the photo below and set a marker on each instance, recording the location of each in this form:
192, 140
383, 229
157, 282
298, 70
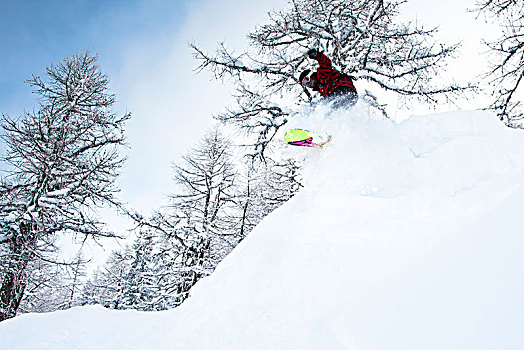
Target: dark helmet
303, 75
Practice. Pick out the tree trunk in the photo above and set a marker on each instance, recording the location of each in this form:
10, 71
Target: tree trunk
14, 279
11, 293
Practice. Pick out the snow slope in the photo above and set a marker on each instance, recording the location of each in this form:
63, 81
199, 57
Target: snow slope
406, 236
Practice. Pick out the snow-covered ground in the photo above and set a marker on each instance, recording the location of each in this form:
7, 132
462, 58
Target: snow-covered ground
407, 235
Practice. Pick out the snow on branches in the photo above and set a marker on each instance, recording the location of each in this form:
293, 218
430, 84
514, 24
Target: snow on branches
216, 205
363, 38
63, 160
507, 68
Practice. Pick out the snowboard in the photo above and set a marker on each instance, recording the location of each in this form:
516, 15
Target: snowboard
306, 138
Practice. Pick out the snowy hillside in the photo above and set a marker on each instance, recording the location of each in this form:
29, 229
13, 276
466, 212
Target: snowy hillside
406, 236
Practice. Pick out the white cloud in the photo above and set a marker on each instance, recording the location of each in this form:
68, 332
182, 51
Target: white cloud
172, 106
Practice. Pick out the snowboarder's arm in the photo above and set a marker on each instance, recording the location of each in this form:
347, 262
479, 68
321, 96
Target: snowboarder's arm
323, 61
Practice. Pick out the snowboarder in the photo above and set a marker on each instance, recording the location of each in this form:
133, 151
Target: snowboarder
329, 82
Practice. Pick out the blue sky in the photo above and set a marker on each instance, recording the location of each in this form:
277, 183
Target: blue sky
143, 48
35, 33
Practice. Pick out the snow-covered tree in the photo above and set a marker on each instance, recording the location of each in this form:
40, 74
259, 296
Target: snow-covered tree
137, 288
53, 286
150, 280
213, 209
507, 70
206, 180
62, 160
181, 242
107, 284
364, 38
204, 205
266, 186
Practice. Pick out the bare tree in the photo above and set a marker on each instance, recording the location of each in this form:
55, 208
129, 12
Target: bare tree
182, 242
106, 286
63, 161
265, 187
206, 179
507, 71
53, 287
363, 38
204, 205
496, 6
210, 213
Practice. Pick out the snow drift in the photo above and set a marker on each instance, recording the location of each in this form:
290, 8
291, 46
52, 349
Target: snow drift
406, 236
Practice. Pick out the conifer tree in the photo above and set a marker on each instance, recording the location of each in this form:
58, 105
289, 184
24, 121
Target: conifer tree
204, 206
507, 69
62, 159
363, 38
212, 210
266, 186
188, 238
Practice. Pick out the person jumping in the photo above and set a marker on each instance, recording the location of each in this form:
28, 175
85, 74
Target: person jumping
329, 82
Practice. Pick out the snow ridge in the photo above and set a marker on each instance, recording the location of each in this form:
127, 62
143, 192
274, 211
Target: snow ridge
406, 236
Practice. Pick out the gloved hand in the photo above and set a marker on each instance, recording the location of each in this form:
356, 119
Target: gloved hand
312, 53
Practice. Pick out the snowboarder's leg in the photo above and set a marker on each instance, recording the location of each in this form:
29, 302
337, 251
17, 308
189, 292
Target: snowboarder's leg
344, 97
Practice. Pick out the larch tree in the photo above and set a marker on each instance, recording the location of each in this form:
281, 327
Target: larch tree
507, 68
62, 161
213, 209
204, 205
363, 38
264, 187
188, 237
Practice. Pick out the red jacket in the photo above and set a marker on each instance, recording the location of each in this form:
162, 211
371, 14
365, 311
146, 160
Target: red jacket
328, 80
